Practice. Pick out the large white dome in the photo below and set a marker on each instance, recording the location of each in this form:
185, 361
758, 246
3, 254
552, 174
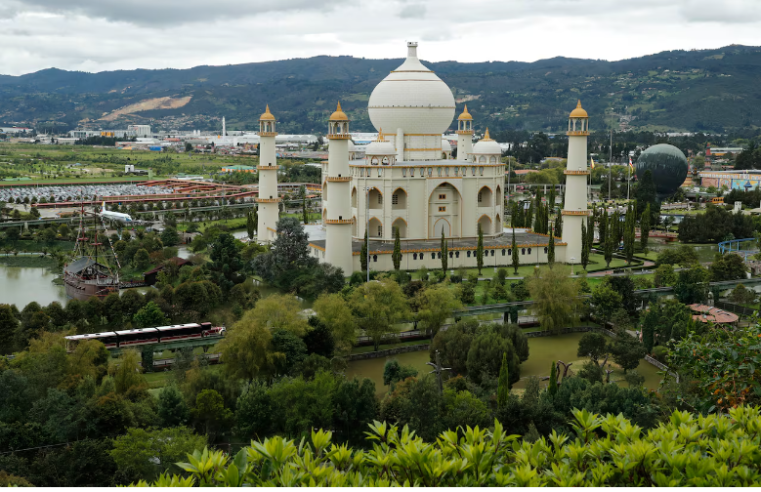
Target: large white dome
412, 98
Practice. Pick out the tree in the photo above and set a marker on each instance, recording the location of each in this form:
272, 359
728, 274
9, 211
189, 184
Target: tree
148, 453
336, 314
503, 388
727, 267
289, 262
304, 210
453, 345
126, 372
551, 251
665, 276
393, 372
558, 223
605, 301
436, 304
609, 244
553, 384
170, 237
645, 195
644, 228
396, 256
210, 413
253, 413
250, 225
584, 245
480, 250
444, 252
279, 311
626, 350
141, 259
171, 408
247, 349
8, 326
555, 298
363, 254
514, 251
593, 345
378, 306
149, 315
692, 285
320, 340
485, 358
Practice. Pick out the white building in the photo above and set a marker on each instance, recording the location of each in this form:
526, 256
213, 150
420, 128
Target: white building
139, 130
408, 182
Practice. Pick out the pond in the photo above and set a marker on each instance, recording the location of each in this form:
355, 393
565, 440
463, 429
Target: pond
542, 351
22, 285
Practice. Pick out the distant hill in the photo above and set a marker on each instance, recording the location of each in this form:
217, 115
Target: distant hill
707, 90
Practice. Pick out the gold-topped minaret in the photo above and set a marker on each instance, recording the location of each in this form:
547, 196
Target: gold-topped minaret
338, 221
575, 206
464, 135
268, 199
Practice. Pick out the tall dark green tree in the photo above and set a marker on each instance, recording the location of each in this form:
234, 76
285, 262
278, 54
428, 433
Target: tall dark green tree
608, 245
305, 215
629, 234
444, 252
363, 254
584, 245
503, 386
480, 250
590, 233
250, 225
514, 250
528, 219
644, 228
602, 226
551, 250
559, 225
396, 256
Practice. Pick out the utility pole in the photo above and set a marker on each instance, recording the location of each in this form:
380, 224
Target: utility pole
610, 166
438, 370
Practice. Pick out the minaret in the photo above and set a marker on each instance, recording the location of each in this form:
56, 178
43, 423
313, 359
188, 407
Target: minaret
224, 127
464, 135
268, 198
339, 221
575, 207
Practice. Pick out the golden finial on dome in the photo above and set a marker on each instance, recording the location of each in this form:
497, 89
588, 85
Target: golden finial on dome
267, 115
380, 138
465, 115
486, 136
579, 111
338, 114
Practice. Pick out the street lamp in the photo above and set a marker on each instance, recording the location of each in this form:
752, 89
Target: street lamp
573, 260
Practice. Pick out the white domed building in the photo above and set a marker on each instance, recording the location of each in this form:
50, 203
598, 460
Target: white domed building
408, 181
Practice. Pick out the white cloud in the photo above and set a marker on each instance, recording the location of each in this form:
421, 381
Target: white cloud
96, 35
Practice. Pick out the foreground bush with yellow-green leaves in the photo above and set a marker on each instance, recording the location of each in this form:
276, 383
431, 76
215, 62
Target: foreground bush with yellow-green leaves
688, 450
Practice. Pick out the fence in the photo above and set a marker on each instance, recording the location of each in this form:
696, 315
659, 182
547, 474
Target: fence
388, 352
565, 331
735, 308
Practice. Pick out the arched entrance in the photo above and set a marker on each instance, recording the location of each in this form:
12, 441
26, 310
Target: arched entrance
485, 223
400, 224
444, 211
375, 228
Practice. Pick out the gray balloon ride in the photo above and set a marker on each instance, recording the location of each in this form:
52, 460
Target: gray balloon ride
668, 165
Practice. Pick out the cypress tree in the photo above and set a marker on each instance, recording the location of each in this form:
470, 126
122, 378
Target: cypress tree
250, 225
608, 245
503, 388
644, 228
480, 250
591, 233
396, 256
444, 252
559, 225
603, 226
304, 210
516, 261
256, 219
553, 385
551, 250
363, 254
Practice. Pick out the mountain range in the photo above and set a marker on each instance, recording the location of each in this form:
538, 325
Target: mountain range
700, 90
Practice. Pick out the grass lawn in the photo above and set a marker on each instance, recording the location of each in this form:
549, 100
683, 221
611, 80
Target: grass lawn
30, 246
650, 255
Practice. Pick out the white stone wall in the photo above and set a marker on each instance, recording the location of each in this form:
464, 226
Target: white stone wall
460, 208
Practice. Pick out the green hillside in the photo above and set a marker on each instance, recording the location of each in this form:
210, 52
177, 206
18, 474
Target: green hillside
708, 90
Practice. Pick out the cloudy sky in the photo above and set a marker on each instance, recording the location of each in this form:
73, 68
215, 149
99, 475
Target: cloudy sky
97, 35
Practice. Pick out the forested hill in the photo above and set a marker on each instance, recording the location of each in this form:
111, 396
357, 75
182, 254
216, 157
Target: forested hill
708, 90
